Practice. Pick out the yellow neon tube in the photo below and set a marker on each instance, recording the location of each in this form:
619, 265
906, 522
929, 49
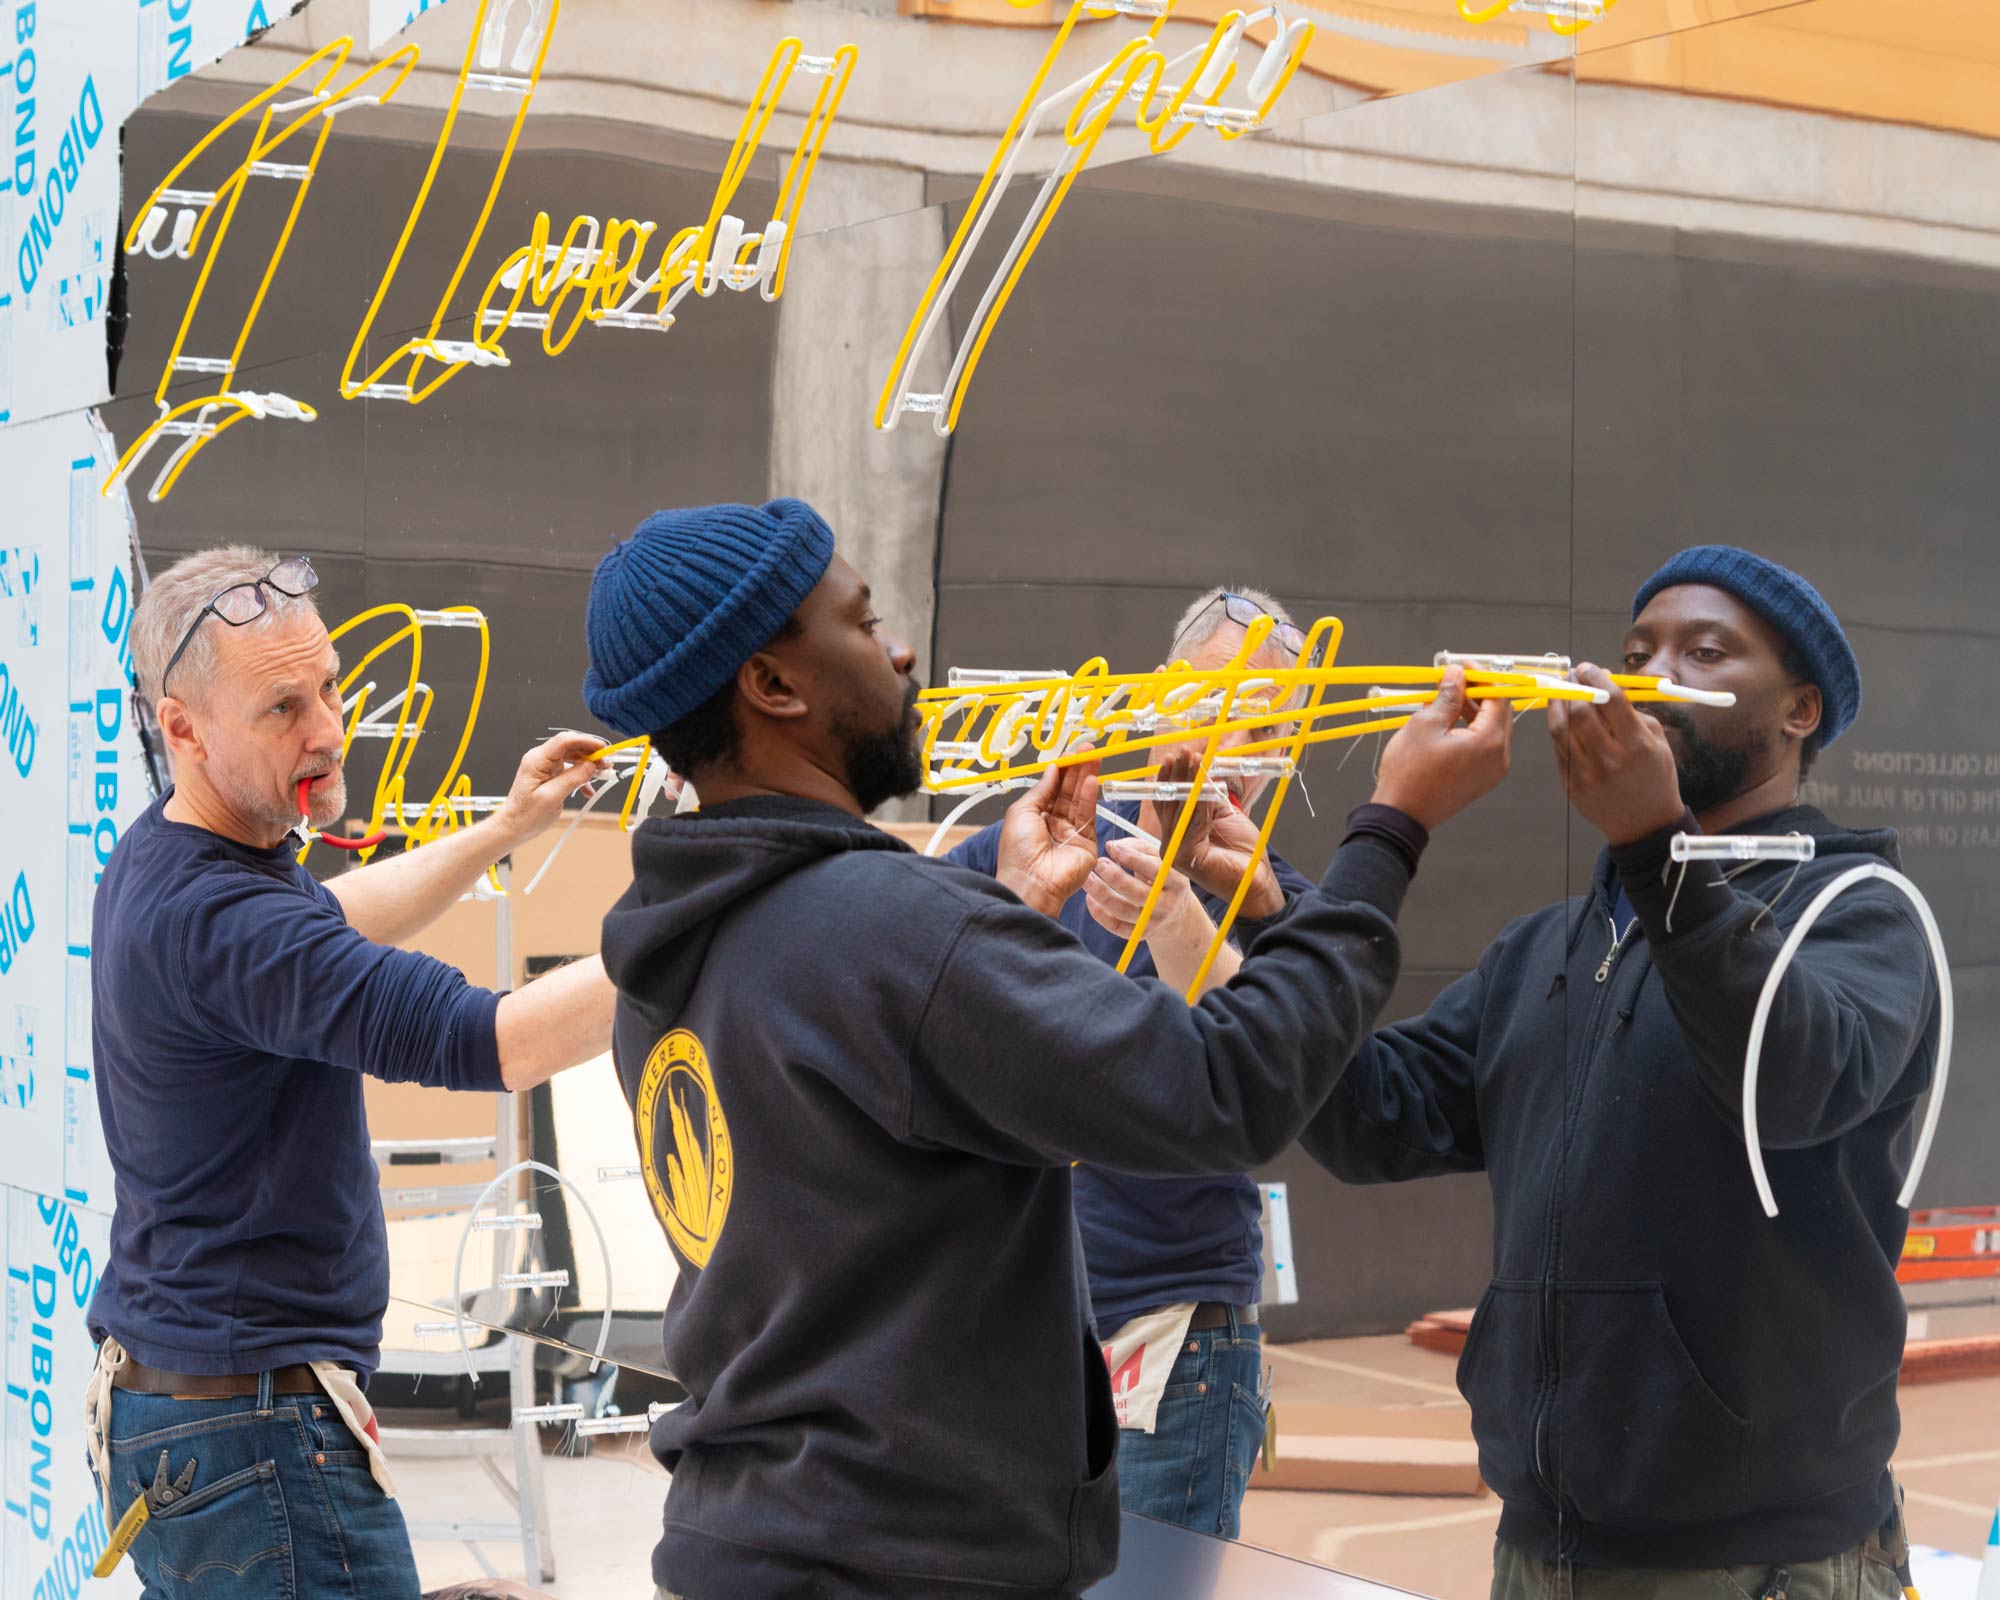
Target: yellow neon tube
440, 814
264, 144
1170, 849
389, 778
1322, 645
1472, 11
805, 158
956, 779
350, 387
965, 226
1135, 71
1136, 60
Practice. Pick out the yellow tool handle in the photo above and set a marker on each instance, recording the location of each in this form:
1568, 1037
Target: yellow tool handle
136, 1517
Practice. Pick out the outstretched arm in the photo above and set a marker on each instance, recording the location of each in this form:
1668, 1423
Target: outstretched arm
395, 899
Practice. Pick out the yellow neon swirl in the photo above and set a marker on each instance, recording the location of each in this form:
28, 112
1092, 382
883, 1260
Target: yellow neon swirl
389, 781
1170, 848
602, 284
440, 814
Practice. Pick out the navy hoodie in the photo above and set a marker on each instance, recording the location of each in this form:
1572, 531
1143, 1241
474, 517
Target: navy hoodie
1659, 1374
859, 1078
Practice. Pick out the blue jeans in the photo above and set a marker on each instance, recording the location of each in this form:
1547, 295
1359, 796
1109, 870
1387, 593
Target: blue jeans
1194, 1467
281, 1505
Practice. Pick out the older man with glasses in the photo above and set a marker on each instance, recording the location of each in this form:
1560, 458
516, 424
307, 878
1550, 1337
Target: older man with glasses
1175, 1263
236, 1002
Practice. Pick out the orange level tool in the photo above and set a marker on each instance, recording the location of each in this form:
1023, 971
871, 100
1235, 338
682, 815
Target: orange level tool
1955, 1242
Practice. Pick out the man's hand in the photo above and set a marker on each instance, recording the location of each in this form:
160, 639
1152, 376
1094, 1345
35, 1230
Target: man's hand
1216, 849
1615, 763
1048, 841
1118, 885
1447, 755
1219, 856
1179, 933
550, 773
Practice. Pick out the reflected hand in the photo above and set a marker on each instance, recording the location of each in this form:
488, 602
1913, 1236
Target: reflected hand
1118, 885
1221, 857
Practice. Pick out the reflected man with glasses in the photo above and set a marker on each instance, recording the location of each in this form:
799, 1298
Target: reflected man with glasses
1175, 1263
236, 1003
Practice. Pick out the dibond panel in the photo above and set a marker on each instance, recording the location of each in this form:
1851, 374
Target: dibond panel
71, 782
70, 74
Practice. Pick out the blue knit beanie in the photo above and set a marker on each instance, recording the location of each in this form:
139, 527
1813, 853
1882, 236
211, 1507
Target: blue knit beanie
1791, 605
692, 595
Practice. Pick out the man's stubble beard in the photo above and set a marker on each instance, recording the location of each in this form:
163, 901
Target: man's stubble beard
1709, 774
886, 765
327, 800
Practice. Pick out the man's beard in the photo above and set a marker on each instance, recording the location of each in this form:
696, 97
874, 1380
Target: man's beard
328, 801
1710, 774
887, 764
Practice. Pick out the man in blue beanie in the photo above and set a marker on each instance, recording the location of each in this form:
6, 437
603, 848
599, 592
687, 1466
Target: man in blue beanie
1673, 1394
859, 1079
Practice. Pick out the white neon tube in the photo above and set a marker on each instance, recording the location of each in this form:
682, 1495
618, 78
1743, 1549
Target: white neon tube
1826, 896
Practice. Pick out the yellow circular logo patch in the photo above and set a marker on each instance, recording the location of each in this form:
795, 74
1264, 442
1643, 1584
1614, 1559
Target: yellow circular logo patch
677, 1093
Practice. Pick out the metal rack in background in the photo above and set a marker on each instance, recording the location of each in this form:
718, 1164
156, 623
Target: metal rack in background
503, 1355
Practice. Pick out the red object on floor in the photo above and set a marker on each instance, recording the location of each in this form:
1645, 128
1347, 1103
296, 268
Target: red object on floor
1443, 1331
1934, 1360
1951, 1243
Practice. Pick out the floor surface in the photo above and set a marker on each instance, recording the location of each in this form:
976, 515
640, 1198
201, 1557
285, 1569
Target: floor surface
606, 1506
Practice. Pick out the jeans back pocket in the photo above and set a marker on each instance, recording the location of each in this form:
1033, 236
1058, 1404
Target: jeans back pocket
228, 1541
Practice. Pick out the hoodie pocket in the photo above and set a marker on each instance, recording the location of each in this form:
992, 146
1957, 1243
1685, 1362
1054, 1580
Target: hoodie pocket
1093, 1508
1644, 1438
1500, 1375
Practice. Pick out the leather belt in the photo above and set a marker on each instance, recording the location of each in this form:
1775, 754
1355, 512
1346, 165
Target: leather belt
1213, 1314
135, 1377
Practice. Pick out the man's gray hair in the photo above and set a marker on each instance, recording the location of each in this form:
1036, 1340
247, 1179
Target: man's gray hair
1206, 616
175, 598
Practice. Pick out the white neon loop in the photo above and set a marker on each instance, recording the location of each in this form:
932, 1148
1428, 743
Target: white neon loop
1826, 896
950, 817
465, 1237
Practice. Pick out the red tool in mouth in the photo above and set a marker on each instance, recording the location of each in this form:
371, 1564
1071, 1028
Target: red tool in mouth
305, 818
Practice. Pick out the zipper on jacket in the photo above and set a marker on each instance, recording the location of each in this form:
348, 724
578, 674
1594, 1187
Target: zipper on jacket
1546, 1393
1617, 944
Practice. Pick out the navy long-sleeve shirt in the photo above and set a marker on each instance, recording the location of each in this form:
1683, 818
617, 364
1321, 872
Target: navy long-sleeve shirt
233, 1012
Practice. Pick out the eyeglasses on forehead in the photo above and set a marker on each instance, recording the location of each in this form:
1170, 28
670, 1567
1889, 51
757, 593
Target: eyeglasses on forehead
243, 603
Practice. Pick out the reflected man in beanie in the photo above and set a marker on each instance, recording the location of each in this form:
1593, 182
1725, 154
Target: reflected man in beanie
1673, 1394
859, 1078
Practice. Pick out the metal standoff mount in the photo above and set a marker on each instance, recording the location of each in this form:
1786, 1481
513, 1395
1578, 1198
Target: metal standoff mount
1156, 789
1477, 661
1741, 847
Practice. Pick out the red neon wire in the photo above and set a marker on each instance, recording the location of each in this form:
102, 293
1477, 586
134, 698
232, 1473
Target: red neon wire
326, 838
